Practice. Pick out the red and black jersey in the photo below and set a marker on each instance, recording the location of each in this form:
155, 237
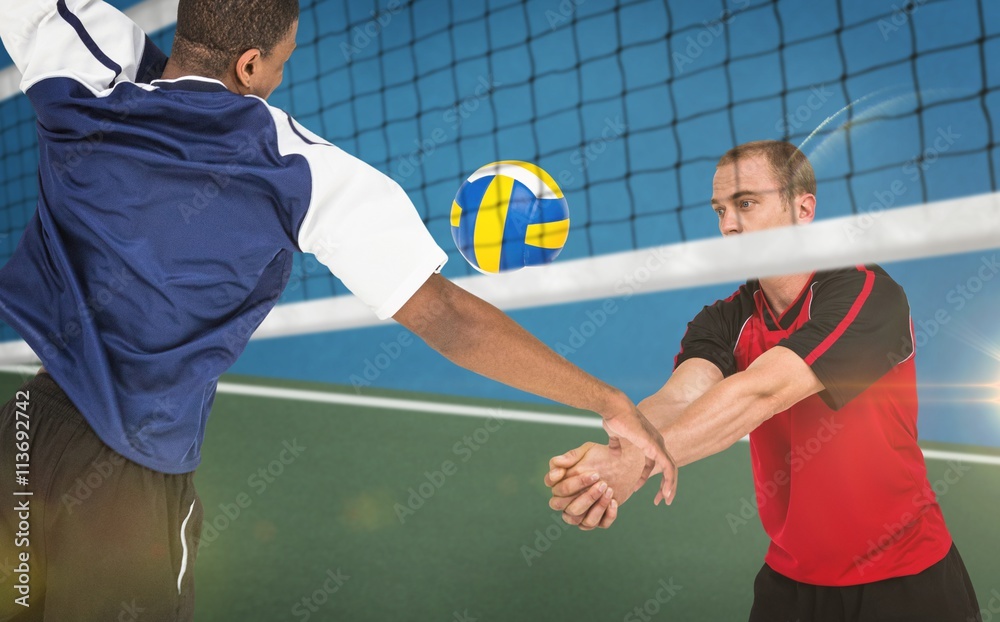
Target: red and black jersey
840, 481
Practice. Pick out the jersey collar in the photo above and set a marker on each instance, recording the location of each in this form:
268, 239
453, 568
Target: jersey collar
191, 83
787, 319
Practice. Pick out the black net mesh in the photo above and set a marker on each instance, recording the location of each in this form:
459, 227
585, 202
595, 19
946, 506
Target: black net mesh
628, 105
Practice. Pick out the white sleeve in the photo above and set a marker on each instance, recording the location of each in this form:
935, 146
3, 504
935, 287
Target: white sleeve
360, 223
88, 40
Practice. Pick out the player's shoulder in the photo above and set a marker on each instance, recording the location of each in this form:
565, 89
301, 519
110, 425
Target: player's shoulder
739, 303
859, 273
865, 280
289, 129
276, 114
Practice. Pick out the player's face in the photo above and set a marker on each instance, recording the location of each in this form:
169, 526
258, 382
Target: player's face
746, 196
272, 67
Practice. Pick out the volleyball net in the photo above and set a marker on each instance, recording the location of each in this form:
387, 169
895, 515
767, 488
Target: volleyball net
629, 105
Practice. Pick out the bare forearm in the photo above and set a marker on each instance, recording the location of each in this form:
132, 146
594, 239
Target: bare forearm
735, 406
713, 422
688, 382
481, 338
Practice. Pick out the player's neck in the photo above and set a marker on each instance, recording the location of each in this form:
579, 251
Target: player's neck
175, 70
782, 291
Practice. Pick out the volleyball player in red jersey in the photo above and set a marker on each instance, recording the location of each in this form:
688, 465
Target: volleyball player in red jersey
819, 370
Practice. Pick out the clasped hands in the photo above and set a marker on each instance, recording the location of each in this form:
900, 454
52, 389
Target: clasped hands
590, 482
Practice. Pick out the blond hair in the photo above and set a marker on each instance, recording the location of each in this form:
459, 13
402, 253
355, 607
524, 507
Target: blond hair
789, 165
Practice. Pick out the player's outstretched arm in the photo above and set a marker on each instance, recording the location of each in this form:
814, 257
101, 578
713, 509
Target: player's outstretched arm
479, 337
734, 407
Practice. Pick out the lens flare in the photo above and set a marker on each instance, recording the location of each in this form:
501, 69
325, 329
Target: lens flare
862, 112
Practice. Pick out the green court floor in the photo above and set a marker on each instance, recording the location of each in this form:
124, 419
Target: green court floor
316, 511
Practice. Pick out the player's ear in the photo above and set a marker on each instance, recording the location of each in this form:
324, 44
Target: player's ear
247, 67
805, 208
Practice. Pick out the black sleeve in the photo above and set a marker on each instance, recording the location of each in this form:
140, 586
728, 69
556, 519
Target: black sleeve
713, 333
858, 331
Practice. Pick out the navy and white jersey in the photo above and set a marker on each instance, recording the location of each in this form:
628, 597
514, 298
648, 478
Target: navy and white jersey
168, 216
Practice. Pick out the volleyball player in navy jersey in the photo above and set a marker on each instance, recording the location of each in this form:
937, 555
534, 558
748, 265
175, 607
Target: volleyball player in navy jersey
172, 198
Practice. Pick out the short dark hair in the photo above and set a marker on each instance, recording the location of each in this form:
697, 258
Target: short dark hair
211, 34
790, 166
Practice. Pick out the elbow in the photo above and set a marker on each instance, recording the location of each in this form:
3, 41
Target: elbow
774, 398
444, 334
766, 406
430, 314
443, 325
762, 395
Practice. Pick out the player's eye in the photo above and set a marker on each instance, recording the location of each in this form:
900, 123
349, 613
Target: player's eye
746, 204
719, 211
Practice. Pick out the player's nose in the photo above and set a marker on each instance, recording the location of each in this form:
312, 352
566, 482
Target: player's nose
730, 223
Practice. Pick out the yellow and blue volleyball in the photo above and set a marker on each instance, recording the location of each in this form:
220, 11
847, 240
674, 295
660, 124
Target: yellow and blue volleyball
509, 215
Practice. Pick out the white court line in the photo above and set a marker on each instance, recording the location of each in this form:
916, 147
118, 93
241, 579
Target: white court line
394, 403
422, 406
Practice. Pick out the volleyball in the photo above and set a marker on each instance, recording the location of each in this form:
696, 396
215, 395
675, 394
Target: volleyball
508, 215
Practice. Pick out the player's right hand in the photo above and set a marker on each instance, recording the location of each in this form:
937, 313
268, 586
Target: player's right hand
631, 425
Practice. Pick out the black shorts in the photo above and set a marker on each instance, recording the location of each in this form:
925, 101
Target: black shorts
941, 593
99, 538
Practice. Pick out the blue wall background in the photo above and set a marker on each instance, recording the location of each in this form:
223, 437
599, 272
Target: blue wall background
687, 80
